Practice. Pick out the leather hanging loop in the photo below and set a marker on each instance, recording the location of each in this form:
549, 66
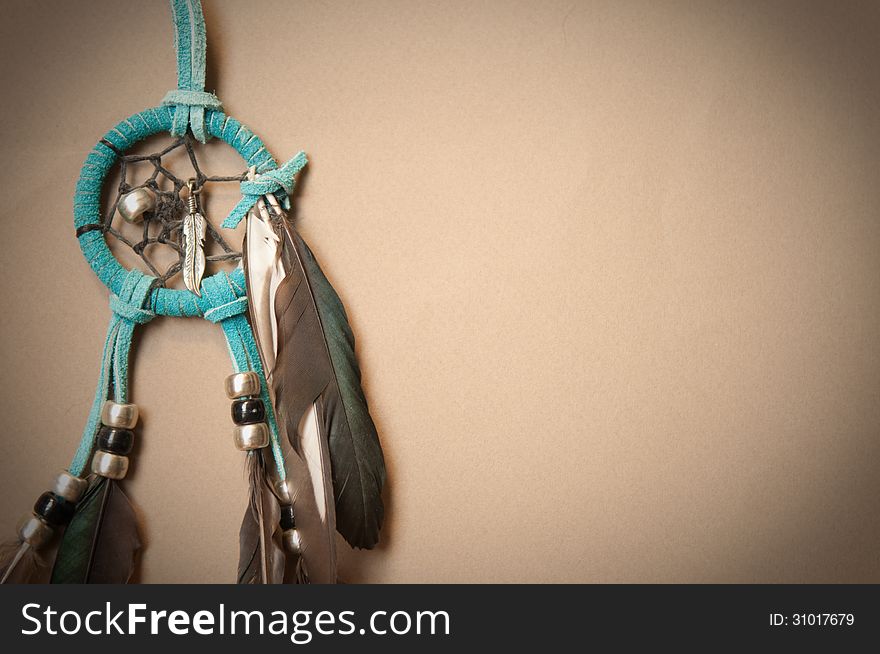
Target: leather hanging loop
190, 99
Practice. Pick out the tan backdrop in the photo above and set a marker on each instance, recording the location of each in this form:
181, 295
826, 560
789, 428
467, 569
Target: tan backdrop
612, 268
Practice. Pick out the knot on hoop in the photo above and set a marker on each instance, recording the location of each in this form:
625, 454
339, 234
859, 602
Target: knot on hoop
279, 181
189, 111
128, 305
129, 312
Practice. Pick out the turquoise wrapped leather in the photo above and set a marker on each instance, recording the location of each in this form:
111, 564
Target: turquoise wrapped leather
87, 201
137, 298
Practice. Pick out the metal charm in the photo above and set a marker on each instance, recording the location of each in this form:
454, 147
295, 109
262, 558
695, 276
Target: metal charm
193, 236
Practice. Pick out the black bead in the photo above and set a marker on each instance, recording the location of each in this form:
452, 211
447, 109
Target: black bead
287, 521
115, 440
54, 509
248, 412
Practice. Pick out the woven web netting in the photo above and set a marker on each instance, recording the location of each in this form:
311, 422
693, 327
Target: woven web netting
159, 233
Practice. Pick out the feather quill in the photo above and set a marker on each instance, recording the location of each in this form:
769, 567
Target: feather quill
101, 542
315, 369
22, 564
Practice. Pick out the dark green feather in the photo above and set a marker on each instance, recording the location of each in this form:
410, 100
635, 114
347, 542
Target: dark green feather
100, 543
316, 364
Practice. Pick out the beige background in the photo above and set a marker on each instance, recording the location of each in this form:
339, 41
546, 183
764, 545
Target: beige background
612, 268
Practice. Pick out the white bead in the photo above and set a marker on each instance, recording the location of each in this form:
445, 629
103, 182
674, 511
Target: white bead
123, 416
112, 466
242, 384
251, 437
133, 205
69, 487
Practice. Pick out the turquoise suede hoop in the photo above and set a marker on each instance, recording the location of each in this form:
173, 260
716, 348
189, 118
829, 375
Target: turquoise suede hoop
87, 200
134, 299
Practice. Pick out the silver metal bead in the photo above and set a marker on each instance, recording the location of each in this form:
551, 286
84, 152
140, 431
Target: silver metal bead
35, 532
282, 492
68, 486
132, 206
123, 416
251, 437
112, 466
242, 384
291, 541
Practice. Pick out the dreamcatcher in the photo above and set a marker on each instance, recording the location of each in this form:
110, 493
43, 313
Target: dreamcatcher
298, 411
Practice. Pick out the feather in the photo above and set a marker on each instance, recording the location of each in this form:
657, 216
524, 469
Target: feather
299, 573
101, 542
261, 555
262, 261
308, 467
194, 229
316, 365
22, 564
315, 369
310, 444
